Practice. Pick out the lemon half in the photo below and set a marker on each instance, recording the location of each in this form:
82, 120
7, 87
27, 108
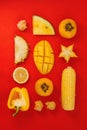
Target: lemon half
20, 75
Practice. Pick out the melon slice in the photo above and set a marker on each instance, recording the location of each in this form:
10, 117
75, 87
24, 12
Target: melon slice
42, 27
21, 49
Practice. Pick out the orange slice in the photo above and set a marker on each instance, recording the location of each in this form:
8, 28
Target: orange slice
20, 75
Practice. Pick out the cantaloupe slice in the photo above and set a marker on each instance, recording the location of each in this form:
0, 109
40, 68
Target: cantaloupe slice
21, 49
42, 27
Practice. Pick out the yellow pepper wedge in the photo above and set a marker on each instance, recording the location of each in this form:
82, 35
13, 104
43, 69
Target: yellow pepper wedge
19, 100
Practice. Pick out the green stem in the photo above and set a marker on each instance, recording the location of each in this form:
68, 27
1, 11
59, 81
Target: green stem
16, 112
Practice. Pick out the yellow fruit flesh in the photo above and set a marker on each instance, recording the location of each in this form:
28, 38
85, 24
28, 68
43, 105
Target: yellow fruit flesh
43, 57
20, 75
42, 26
67, 53
67, 28
21, 49
44, 87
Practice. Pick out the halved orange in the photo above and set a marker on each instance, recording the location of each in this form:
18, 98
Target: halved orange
20, 75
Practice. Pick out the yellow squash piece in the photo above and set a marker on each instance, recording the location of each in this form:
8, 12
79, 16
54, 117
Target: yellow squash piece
42, 27
67, 52
19, 100
67, 28
44, 87
44, 57
21, 49
68, 85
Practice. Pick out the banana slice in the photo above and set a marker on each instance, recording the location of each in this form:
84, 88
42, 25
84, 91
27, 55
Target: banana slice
42, 27
21, 49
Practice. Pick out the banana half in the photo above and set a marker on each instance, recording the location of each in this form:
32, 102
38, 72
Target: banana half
21, 49
42, 27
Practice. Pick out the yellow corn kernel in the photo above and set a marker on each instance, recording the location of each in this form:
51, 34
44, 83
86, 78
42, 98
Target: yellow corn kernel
68, 85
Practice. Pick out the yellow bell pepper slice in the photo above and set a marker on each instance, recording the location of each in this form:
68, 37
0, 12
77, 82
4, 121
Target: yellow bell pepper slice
18, 100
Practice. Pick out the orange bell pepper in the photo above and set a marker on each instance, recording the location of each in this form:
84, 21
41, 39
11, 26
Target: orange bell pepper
18, 100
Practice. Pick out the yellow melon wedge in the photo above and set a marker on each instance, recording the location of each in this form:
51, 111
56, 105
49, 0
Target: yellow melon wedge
21, 49
42, 27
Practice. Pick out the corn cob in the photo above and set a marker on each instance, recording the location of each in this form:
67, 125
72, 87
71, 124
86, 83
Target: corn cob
68, 88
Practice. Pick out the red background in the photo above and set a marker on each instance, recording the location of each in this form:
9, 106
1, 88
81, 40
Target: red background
54, 11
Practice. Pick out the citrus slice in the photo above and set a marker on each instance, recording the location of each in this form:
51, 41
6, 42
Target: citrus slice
42, 26
20, 75
21, 49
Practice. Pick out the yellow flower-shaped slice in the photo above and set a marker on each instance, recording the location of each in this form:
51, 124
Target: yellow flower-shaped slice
67, 52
